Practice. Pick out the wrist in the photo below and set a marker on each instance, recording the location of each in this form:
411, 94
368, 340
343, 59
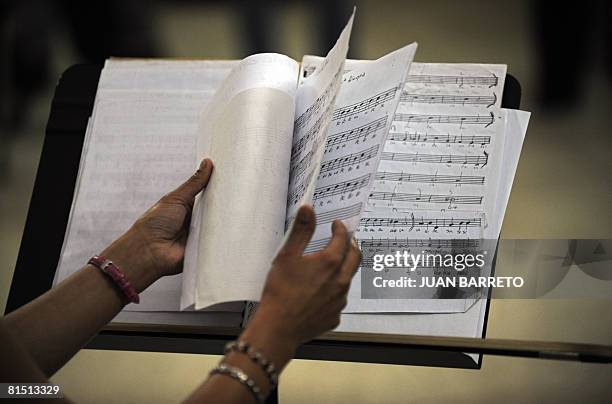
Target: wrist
268, 333
127, 255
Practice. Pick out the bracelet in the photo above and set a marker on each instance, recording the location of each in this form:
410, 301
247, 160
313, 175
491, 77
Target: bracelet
255, 356
109, 268
239, 375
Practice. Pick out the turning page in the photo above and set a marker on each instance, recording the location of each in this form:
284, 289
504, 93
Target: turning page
246, 130
361, 119
313, 113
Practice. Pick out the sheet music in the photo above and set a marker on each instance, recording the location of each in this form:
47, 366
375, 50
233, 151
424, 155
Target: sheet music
130, 160
315, 102
444, 149
442, 158
360, 121
443, 154
416, 232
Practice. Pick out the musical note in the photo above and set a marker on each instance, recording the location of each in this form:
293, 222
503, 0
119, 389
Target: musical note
341, 187
369, 103
349, 160
485, 120
422, 222
404, 243
448, 138
428, 198
358, 132
437, 158
491, 81
487, 100
428, 178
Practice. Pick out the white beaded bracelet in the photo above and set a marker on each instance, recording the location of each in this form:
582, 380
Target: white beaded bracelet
244, 379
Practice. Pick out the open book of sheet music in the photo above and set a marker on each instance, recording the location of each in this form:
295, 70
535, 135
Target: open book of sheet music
399, 151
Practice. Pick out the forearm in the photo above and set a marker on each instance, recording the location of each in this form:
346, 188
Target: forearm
263, 336
56, 325
17, 365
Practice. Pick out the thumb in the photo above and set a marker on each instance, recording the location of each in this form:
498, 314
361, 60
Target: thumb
301, 231
197, 182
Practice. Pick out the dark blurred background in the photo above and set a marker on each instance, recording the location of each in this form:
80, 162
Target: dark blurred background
561, 54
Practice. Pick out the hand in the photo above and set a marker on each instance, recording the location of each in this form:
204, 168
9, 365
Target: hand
155, 245
304, 294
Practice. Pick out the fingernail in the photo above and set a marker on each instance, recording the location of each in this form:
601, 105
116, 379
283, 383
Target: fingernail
302, 216
335, 225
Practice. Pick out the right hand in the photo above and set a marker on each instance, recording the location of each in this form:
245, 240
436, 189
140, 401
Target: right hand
304, 294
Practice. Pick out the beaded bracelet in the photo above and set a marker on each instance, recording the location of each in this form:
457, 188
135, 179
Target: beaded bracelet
239, 375
255, 356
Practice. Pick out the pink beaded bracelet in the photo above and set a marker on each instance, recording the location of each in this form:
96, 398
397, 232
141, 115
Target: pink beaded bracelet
109, 268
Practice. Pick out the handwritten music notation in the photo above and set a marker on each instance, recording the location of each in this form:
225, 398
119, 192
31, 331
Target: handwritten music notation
341, 187
297, 192
412, 222
427, 198
365, 105
349, 160
490, 81
417, 137
487, 100
461, 120
399, 243
437, 158
303, 141
357, 133
300, 167
329, 92
430, 178
341, 213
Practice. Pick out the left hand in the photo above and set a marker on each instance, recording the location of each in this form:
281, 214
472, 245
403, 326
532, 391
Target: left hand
155, 245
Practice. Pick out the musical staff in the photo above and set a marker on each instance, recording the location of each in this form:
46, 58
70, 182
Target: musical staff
341, 213
448, 138
297, 192
430, 178
329, 93
341, 187
488, 100
421, 222
428, 198
316, 245
303, 141
399, 243
437, 158
357, 133
365, 105
461, 120
300, 167
350, 159
490, 81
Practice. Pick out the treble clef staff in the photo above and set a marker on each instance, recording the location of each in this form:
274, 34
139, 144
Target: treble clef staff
437, 158
430, 178
460, 120
367, 104
490, 81
427, 198
487, 100
416, 137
